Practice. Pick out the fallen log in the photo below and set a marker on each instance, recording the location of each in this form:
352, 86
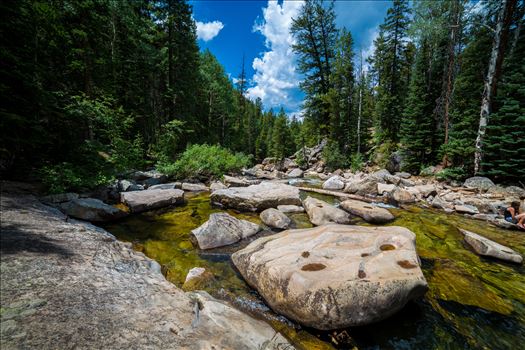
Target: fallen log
344, 195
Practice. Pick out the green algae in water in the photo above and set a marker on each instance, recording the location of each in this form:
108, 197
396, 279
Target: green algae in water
473, 302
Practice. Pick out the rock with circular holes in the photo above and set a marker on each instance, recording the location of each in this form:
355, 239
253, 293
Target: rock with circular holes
334, 276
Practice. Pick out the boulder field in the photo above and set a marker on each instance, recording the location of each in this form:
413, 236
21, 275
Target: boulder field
334, 276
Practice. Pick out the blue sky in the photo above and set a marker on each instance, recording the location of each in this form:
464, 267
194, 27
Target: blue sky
259, 31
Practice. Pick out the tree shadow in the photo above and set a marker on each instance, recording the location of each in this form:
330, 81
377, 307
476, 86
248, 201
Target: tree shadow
14, 240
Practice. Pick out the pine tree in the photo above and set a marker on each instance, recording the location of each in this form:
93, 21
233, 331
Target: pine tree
417, 128
505, 138
390, 60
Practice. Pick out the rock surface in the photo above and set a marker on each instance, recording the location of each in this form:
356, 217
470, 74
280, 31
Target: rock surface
290, 209
275, 218
223, 229
486, 247
403, 196
257, 197
295, 173
479, 182
368, 212
92, 210
321, 213
334, 183
168, 186
139, 201
239, 181
70, 284
334, 276
194, 187
197, 278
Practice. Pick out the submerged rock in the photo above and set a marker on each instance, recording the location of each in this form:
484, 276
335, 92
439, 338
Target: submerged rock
223, 229
368, 212
486, 247
139, 201
257, 197
197, 278
91, 209
275, 218
321, 213
334, 276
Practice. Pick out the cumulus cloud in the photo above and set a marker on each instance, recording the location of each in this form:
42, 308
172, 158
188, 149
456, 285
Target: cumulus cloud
275, 80
209, 30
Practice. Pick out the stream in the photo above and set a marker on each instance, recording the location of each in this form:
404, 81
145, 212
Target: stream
472, 303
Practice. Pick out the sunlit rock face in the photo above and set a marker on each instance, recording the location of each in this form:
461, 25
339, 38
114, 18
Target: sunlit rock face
257, 197
334, 276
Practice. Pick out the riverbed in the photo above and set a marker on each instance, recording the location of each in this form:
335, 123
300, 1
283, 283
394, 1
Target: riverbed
472, 303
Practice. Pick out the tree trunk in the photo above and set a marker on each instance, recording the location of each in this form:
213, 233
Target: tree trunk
496, 60
360, 101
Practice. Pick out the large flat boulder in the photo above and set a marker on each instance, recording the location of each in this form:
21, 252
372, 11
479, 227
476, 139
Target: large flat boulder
334, 276
486, 247
91, 209
368, 212
139, 201
223, 229
232, 181
257, 197
69, 284
321, 213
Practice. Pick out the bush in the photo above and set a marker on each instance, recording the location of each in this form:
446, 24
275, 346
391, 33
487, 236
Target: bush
455, 173
356, 162
127, 155
333, 157
204, 161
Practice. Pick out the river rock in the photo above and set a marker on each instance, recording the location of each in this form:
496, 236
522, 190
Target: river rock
403, 196
257, 197
500, 222
361, 187
295, 173
275, 218
425, 190
369, 213
91, 209
466, 209
334, 276
440, 203
59, 198
403, 175
194, 187
139, 201
126, 185
217, 185
334, 183
223, 229
231, 181
321, 213
290, 209
197, 278
479, 182
384, 188
168, 186
484, 246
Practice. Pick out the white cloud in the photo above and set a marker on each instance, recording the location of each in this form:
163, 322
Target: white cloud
209, 30
275, 80
368, 49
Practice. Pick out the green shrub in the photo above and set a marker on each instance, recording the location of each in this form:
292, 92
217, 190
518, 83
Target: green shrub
205, 161
127, 155
356, 162
64, 177
454, 173
333, 157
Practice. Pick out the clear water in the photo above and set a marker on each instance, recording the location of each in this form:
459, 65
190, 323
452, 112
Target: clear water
472, 303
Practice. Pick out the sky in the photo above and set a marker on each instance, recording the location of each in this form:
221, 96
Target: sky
259, 32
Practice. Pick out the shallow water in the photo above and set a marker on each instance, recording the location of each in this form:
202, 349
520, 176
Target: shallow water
472, 303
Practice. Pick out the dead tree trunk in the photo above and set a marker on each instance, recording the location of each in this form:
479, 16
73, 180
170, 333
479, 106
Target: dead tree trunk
496, 60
